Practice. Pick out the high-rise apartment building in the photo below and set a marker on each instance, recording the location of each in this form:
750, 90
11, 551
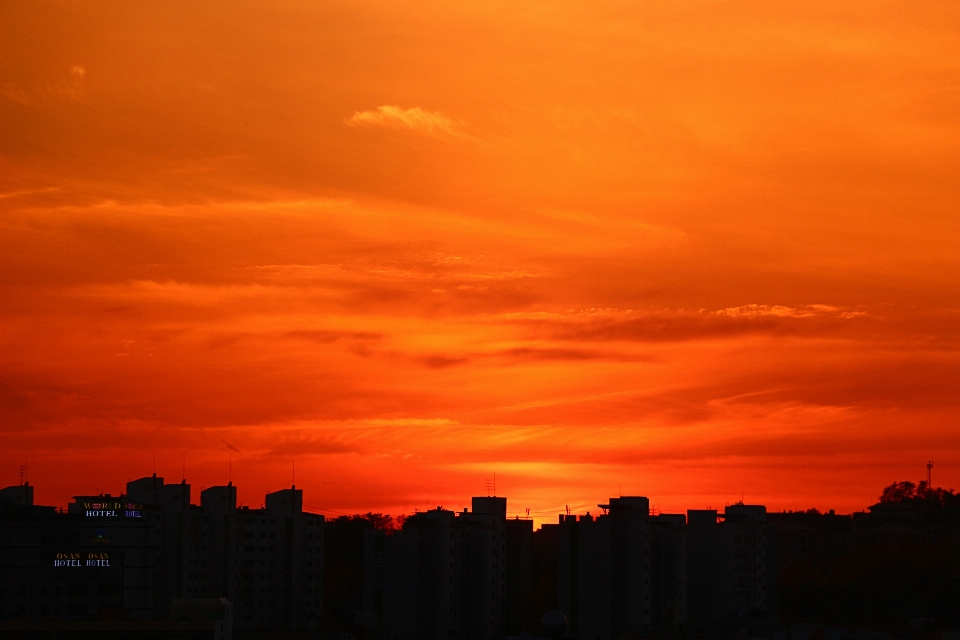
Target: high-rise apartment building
280, 561
627, 571
519, 577
731, 567
100, 558
668, 569
135, 555
448, 574
604, 570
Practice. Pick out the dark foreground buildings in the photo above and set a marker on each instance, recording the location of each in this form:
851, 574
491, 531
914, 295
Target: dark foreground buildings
449, 575
149, 560
151, 564
120, 565
895, 564
627, 572
622, 574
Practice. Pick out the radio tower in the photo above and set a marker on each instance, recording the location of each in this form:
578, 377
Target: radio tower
929, 475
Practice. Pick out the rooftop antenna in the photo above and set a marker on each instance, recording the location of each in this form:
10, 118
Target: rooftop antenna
23, 473
183, 476
154, 464
488, 487
568, 509
929, 474
231, 469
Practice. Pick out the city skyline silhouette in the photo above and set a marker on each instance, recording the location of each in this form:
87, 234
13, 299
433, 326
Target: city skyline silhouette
390, 259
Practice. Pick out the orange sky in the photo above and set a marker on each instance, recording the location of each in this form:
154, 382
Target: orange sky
682, 249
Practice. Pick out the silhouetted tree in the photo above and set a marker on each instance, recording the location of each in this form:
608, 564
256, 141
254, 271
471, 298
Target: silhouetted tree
938, 505
904, 491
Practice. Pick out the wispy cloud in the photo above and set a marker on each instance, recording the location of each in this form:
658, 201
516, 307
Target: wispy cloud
431, 123
776, 311
679, 325
14, 94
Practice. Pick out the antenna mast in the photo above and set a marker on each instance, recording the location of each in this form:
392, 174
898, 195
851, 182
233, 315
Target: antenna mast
929, 474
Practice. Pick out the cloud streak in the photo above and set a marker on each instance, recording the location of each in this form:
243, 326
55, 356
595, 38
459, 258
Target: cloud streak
432, 123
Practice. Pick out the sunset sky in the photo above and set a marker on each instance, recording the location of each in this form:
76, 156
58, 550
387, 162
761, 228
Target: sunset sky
691, 250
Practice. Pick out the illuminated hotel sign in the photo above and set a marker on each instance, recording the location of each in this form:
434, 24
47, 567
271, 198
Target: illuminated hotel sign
92, 559
113, 509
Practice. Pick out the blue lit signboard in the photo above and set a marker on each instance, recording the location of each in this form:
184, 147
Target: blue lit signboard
77, 559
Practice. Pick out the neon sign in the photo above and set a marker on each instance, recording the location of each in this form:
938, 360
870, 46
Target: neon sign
113, 509
92, 559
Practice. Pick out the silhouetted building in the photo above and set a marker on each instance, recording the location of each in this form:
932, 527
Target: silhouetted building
280, 557
77, 565
703, 564
668, 569
604, 570
134, 556
543, 569
731, 568
814, 541
894, 563
21, 494
214, 542
627, 572
811, 540
519, 576
169, 506
448, 574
